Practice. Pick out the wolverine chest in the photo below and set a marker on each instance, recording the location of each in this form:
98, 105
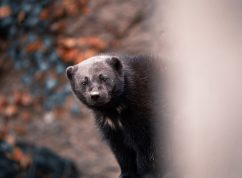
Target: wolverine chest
113, 119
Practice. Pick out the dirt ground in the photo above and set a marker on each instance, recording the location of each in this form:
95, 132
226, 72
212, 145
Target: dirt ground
77, 139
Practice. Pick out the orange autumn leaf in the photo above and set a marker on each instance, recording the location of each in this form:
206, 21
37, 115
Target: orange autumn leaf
44, 14
11, 111
85, 10
58, 26
59, 111
26, 99
17, 97
10, 139
72, 7
21, 16
96, 43
5, 11
91, 42
3, 103
58, 12
67, 42
68, 55
81, 41
25, 116
84, 6
85, 55
19, 156
20, 130
71, 54
80, 58
89, 53
3, 132
32, 47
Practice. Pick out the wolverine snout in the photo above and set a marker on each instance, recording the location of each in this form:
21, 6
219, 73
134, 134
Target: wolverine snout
95, 95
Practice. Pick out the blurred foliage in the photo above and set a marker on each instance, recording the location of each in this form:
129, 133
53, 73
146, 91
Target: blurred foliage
34, 39
21, 160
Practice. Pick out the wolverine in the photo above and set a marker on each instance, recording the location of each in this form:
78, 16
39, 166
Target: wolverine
120, 91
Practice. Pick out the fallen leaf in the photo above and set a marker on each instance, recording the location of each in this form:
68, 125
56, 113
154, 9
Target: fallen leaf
5, 11
21, 16
71, 7
96, 43
68, 55
19, 156
85, 55
59, 11
10, 139
3, 103
25, 116
20, 130
3, 132
26, 99
84, 6
32, 47
82, 41
58, 26
59, 111
44, 14
67, 42
17, 97
11, 111
90, 52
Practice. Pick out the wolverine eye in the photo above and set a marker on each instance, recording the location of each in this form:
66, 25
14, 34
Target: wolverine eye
85, 82
103, 78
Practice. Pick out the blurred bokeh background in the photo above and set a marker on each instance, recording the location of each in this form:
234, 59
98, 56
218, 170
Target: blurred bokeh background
44, 131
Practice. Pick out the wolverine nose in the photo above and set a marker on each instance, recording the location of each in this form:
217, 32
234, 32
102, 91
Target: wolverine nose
95, 95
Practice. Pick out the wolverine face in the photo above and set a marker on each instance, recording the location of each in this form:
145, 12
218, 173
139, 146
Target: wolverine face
97, 81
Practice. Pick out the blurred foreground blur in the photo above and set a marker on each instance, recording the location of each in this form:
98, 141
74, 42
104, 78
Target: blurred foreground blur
204, 44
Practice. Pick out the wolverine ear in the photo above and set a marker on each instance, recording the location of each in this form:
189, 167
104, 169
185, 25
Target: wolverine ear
69, 72
115, 63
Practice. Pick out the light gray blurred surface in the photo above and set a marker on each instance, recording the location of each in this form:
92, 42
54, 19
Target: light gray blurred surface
203, 49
